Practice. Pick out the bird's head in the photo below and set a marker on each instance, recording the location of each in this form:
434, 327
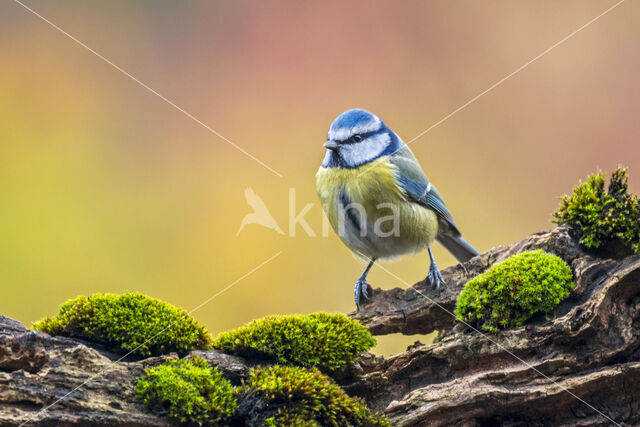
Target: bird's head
357, 137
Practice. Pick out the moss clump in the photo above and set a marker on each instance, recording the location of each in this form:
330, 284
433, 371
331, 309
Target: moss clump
329, 342
512, 291
127, 322
306, 397
189, 390
599, 216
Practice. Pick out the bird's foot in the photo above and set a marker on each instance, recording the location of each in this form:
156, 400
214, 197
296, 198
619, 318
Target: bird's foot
434, 277
361, 292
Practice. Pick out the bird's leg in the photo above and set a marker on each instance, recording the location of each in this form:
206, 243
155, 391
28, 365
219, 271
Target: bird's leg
360, 292
434, 277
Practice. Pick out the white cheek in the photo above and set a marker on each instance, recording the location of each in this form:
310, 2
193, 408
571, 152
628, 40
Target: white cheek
327, 157
365, 151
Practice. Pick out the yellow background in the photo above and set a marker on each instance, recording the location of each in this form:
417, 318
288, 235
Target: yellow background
104, 187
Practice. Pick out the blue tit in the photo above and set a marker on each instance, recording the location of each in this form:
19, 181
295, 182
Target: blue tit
379, 201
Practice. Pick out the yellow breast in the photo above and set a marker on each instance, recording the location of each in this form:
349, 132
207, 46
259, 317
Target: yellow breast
370, 186
372, 183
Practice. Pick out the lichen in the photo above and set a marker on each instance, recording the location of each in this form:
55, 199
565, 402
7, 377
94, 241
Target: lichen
130, 322
188, 390
512, 291
305, 397
329, 342
598, 216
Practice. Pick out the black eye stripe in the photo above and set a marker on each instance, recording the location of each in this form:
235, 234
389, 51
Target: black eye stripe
364, 136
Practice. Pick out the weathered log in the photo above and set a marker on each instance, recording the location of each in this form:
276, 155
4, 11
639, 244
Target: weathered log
409, 312
84, 385
578, 367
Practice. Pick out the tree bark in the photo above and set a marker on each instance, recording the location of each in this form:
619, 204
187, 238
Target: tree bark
577, 366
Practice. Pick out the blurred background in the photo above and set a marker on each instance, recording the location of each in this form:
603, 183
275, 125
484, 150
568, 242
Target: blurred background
104, 187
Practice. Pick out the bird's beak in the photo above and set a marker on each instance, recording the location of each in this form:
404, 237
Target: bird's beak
331, 145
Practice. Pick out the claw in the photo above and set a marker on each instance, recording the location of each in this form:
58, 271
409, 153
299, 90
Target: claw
434, 277
361, 292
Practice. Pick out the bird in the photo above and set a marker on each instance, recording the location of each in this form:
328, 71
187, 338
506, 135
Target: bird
379, 201
260, 214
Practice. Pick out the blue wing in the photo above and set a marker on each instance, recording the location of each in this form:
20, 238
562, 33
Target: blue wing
417, 188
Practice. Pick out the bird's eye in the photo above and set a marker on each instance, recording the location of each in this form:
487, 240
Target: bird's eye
356, 138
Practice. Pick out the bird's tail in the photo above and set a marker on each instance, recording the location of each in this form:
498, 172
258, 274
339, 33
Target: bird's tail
457, 246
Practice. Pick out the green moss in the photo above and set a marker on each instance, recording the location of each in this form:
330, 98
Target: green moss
512, 291
306, 397
599, 216
189, 389
329, 342
127, 322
